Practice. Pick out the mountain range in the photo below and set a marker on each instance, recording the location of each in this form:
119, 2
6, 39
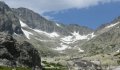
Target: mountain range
59, 37
51, 38
63, 38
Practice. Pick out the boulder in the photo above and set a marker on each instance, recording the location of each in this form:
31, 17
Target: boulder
14, 53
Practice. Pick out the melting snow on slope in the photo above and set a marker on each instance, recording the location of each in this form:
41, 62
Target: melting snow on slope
23, 24
71, 39
53, 34
58, 24
92, 35
118, 51
67, 38
63, 47
76, 36
80, 50
27, 34
112, 25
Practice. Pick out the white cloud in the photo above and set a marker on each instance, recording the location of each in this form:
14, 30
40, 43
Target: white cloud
42, 6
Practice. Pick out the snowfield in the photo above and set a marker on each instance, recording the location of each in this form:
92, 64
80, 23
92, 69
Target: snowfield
80, 50
23, 24
58, 24
112, 25
76, 36
27, 34
53, 34
65, 41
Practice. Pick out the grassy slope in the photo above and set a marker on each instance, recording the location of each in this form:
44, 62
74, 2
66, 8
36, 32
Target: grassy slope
10, 68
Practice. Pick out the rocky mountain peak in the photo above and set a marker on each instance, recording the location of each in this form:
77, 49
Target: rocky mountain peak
3, 7
28, 16
9, 23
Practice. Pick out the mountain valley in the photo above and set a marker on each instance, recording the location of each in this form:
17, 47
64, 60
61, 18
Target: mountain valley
61, 46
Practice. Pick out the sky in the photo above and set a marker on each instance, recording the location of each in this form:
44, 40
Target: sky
90, 13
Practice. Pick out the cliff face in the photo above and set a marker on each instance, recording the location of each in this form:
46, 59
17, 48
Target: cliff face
9, 23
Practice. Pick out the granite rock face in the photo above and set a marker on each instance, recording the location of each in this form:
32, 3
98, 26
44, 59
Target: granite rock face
9, 23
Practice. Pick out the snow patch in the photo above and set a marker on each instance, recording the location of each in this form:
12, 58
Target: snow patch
92, 35
67, 38
71, 39
112, 25
118, 51
76, 36
63, 47
27, 34
58, 24
53, 34
80, 50
23, 24
15, 34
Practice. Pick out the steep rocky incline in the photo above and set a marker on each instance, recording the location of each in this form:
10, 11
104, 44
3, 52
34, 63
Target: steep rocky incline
14, 53
107, 39
9, 23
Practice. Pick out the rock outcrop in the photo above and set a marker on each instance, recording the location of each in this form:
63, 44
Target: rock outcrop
13, 53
